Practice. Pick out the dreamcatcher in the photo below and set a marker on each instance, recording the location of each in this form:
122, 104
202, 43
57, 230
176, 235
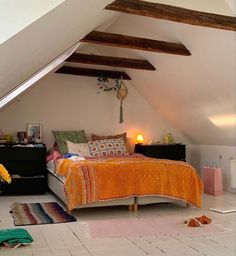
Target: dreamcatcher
122, 92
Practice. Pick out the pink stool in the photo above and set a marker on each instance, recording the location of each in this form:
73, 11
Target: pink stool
212, 179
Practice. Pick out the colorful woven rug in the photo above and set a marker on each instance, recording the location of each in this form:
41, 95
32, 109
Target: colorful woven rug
155, 226
39, 213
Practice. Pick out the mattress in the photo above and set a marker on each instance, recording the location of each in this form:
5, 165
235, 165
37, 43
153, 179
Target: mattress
52, 169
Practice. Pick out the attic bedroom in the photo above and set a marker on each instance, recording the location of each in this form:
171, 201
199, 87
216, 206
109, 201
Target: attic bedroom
117, 127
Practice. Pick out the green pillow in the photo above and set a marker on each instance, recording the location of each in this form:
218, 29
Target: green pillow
73, 136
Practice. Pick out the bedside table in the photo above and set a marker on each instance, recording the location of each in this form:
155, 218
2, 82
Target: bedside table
162, 151
27, 166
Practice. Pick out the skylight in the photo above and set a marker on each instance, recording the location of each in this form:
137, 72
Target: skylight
35, 77
224, 120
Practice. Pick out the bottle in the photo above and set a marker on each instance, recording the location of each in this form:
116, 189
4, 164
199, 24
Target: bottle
168, 139
8, 138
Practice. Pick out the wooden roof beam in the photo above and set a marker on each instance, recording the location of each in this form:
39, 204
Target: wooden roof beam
172, 13
78, 71
124, 41
110, 61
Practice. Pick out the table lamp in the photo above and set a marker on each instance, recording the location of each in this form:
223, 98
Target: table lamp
140, 138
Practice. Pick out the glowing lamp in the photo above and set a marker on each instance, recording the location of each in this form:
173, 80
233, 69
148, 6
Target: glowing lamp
140, 138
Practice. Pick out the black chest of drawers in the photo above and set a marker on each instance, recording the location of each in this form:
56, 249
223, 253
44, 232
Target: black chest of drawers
163, 151
27, 166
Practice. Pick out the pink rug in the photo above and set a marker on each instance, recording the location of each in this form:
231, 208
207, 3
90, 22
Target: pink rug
156, 226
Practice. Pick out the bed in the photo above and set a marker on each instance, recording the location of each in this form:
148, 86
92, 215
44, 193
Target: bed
125, 180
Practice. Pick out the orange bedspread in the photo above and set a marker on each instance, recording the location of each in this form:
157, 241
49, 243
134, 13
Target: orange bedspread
106, 179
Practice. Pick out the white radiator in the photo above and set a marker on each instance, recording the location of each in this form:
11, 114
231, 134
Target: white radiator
233, 173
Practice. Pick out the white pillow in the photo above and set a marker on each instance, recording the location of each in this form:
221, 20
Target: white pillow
81, 149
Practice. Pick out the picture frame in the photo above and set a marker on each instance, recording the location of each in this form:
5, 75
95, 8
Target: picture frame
21, 136
34, 132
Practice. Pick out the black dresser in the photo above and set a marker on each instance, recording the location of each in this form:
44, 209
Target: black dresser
162, 151
27, 166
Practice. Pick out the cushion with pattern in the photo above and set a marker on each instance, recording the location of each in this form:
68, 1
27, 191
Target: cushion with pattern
107, 147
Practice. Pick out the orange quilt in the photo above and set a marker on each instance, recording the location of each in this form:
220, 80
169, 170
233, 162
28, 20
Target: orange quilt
92, 181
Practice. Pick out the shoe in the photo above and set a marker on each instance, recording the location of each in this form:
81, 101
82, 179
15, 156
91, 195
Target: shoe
192, 222
204, 219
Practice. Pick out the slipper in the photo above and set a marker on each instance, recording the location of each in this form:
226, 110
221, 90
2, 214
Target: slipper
193, 222
204, 219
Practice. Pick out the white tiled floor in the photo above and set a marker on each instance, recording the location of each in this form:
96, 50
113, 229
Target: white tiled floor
72, 239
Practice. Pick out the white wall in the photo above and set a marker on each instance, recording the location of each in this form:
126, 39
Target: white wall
64, 102
200, 155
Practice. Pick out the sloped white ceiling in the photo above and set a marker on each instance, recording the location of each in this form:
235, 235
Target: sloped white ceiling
48, 37
188, 91
215, 6
18, 14
232, 4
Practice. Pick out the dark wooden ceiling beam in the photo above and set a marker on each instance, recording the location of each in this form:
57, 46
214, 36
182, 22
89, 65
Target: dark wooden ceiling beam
92, 72
110, 61
124, 41
177, 14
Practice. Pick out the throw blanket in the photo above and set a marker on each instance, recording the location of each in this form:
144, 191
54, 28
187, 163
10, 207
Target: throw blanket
15, 236
103, 179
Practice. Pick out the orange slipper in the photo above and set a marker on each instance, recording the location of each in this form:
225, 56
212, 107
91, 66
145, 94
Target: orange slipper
192, 222
204, 219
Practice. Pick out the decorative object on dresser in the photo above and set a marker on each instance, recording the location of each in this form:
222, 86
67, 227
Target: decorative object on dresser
22, 137
34, 132
27, 167
162, 151
169, 139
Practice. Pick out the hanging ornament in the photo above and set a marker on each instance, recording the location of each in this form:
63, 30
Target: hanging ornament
122, 92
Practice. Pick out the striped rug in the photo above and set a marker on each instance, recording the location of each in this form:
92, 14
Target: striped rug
39, 213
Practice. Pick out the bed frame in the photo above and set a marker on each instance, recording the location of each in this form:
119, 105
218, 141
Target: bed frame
56, 186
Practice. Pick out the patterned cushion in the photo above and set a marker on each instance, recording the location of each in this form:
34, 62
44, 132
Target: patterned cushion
107, 147
73, 136
117, 136
81, 149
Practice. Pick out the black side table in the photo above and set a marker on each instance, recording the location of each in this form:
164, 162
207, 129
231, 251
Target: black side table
162, 151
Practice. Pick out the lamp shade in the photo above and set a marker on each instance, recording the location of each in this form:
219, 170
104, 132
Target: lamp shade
140, 138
